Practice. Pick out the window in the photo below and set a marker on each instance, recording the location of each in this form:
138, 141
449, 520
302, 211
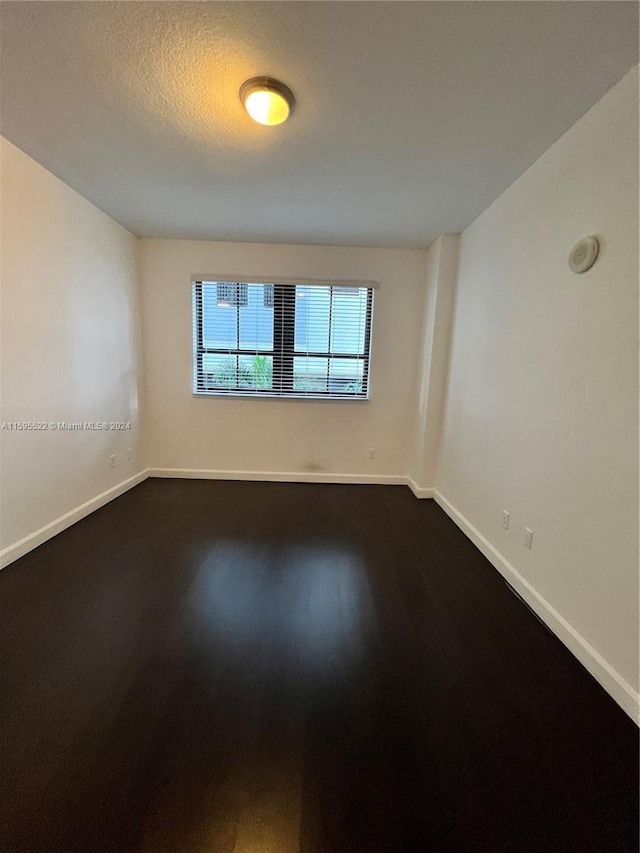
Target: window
284, 340
231, 293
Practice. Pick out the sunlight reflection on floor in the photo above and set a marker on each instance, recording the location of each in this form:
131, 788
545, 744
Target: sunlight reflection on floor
287, 619
306, 602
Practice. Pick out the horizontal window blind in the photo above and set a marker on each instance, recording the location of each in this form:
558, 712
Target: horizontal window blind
291, 340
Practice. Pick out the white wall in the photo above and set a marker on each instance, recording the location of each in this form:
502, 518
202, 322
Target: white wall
542, 402
70, 347
440, 286
280, 436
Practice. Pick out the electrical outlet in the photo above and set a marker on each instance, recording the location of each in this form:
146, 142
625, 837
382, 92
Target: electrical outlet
112, 460
371, 454
505, 519
528, 537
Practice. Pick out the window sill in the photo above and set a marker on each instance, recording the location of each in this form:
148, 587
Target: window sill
308, 398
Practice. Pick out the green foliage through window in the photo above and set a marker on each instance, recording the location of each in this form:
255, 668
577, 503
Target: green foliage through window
231, 374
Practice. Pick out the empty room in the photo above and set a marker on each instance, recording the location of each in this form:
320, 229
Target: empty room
319, 485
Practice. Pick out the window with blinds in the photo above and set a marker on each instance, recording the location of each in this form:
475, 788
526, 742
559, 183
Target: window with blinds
285, 340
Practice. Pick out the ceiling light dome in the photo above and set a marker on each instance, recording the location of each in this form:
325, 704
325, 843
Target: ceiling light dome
267, 101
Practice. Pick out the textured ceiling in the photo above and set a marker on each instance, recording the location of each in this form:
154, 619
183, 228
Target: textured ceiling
410, 119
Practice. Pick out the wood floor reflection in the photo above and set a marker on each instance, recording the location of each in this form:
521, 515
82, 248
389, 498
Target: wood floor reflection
220, 667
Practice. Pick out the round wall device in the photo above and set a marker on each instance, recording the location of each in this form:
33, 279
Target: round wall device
584, 253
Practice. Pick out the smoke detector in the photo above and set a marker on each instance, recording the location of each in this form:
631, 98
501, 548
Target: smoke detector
584, 253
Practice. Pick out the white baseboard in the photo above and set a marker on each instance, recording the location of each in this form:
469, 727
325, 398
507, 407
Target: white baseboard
278, 476
615, 685
419, 491
28, 543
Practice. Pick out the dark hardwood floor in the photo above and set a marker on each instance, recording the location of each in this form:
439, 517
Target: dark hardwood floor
223, 667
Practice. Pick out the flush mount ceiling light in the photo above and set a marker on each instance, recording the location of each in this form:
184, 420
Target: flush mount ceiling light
267, 101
